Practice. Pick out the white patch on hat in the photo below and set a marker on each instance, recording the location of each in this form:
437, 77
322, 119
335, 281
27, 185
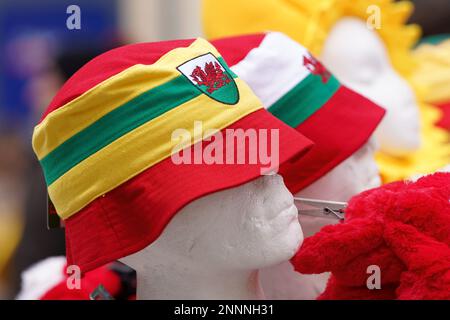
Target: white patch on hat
274, 68
208, 74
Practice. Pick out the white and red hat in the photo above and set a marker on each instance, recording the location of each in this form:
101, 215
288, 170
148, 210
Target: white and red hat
296, 88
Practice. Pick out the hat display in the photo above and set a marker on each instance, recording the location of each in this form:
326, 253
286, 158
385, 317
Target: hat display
309, 22
105, 143
295, 87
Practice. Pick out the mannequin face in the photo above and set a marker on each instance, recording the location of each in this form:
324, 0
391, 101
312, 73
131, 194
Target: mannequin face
246, 227
357, 173
357, 56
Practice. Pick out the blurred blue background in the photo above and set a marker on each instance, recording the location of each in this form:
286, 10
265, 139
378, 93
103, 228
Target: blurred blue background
33, 33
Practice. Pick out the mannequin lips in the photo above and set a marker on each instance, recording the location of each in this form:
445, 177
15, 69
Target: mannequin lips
287, 216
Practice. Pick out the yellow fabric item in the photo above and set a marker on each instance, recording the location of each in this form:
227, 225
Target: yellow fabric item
11, 226
83, 179
433, 72
110, 94
433, 155
309, 22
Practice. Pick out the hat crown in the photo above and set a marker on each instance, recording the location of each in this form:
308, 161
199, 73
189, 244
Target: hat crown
124, 101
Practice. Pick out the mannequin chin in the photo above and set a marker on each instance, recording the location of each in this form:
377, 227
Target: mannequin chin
357, 173
357, 56
213, 247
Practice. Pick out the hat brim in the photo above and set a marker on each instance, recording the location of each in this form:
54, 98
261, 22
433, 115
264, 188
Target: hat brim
339, 128
132, 216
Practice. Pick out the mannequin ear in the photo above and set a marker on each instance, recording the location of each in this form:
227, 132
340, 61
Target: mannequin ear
427, 262
334, 246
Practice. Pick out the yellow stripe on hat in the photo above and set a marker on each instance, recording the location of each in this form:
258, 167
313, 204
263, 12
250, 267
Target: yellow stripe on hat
78, 114
145, 146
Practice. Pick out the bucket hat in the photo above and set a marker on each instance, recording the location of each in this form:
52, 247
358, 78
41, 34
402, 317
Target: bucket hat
105, 143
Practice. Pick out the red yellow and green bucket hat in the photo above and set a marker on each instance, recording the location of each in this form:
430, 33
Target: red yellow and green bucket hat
104, 143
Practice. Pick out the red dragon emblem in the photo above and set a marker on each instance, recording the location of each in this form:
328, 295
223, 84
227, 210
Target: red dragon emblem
316, 67
212, 76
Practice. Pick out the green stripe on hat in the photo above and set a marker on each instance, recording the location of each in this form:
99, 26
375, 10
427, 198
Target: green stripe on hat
117, 123
308, 96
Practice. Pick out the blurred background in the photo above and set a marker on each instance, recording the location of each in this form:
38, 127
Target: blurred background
38, 53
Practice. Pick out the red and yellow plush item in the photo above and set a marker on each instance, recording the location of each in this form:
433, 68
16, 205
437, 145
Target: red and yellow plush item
403, 228
106, 142
300, 91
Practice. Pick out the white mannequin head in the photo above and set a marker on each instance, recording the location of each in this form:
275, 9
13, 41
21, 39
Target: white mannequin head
358, 57
220, 238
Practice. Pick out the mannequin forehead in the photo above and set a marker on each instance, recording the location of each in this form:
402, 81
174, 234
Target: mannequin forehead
352, 37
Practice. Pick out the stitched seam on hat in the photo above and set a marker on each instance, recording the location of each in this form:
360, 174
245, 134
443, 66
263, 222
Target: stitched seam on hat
110, 225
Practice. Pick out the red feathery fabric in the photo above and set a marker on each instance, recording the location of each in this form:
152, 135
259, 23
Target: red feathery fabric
403, 228
339, 129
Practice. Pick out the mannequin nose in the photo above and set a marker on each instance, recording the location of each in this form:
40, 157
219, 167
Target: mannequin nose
273, 179
275, 191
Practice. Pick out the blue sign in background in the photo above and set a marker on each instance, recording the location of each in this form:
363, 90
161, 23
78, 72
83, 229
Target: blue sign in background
32, 32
